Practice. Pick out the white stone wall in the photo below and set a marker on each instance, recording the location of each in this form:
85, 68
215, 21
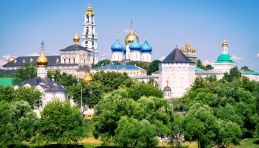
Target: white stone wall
117, 56
224, 67
180, 77
135, 55
146, 57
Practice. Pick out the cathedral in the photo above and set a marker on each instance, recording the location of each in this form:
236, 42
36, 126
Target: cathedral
72, 58
132, 50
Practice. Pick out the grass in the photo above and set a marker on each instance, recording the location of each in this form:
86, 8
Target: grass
249, 143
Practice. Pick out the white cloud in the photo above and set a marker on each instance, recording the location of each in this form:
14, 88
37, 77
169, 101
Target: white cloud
236, 58
206, 62
161, 58
257, 55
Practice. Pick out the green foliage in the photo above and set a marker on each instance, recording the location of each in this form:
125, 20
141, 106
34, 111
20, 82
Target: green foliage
6, 93
102, 63
153, 67
112, 80
233, 74
139, 64
25, 73
29, 94
62, 123
142, 89
135, 133
18, 122
204, 67
200, 124
115, 105
62, 78
91, 93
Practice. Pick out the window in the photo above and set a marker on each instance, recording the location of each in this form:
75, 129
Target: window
64, 60
74, 61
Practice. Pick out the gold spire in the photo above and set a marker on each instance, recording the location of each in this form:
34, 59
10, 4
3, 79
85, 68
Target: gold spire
225, 44
193, 50
130, 37
11, 58
87, 78
76, 38
42, 60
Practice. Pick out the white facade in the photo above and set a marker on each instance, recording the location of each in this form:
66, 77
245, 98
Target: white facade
80, 57
178, 76
117, 56
89, 36
146, 57
135, 55
41, 72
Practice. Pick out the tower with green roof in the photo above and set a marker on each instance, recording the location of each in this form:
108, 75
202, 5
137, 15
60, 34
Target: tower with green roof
224, 62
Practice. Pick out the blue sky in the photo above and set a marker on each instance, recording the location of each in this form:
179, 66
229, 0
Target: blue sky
165, 23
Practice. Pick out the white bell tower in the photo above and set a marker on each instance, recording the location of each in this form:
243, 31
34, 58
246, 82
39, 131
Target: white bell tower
89, 36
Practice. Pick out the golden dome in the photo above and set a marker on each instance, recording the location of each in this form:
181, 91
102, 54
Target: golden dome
224, 44
193, 50
87, 77
76, 38
188, 45
12, 58
130, 37
89, 11
42, 60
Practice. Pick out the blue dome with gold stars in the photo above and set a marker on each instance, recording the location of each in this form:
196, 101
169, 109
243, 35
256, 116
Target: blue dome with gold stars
135, 45
146, 47
117, 46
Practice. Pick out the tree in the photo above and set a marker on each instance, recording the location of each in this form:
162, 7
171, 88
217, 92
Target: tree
117, 104
142, 89
29, 94
245, 68
25, 73
209, 67
91, 93
135, 133
6, 93
62, 78
233, 74
62, 123
102, 63
153, 67
112, 80
18, 123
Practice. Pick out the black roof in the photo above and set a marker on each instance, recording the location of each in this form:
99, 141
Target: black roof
47, 84
176, 56
75, 47
21, 61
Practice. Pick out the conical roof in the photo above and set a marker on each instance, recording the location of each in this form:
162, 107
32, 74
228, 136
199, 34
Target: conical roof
176, 56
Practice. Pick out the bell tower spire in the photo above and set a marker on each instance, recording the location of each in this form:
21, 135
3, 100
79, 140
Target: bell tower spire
89, 36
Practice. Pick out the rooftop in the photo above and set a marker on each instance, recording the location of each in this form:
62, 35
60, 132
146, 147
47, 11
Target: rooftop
119, 67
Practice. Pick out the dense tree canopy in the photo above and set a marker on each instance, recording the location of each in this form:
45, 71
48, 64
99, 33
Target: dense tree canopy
151, 113
205, 67
60, 122
25, 73
153, 67
18, 122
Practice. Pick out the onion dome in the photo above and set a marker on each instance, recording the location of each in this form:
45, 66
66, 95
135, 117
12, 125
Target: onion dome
182, 49
130, 37
187, 45
117, 46
42, 60
11, 58
193, 50
224, 44
89, 11
76, 38
146, 47
135, 45
87, 78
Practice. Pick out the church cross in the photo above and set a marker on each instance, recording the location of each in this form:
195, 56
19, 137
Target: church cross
42, 45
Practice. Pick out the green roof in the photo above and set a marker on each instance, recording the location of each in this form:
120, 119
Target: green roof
224, 58
249, 72
6, 81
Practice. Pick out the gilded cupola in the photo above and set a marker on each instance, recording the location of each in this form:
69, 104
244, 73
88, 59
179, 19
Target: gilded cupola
76, 38
90, 10
87, 78
225, 44
42, 60
130, 38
